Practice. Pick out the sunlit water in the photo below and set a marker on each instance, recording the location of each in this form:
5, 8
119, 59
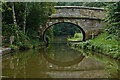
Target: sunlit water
58, 61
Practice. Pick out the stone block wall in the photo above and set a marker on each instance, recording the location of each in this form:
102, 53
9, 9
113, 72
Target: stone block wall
87, 18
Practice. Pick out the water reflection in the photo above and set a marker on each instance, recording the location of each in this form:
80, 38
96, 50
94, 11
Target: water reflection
112, 66
58, 61
60, 54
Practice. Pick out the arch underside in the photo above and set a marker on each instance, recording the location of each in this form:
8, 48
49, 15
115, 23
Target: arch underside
88, 27
83, 33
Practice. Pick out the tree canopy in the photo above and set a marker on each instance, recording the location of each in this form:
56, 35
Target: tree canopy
23, 20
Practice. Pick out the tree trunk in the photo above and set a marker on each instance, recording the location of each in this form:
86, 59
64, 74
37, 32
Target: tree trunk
24, 23
14, 17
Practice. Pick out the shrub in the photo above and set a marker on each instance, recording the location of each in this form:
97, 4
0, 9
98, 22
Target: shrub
14, 47
25, 45
113, 18
78, 35
35, 43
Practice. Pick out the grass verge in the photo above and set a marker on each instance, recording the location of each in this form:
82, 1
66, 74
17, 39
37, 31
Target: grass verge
104, 43
77, 37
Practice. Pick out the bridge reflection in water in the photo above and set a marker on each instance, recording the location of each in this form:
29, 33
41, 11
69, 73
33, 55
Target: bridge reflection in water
70, 63
56, 61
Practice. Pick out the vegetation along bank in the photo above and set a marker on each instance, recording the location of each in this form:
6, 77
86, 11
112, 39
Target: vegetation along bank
108, 41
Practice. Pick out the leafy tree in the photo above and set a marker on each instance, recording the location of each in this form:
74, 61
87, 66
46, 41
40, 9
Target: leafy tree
23, 19
7, 13
62, 29
37, 17
113, 18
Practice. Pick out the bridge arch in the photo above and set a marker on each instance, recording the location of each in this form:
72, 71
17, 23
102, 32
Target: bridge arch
82, 30
88, 19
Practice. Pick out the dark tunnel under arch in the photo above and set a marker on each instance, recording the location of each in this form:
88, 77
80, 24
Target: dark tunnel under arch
83, 32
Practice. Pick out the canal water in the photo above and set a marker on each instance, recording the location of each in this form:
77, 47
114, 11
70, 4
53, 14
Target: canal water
57, 60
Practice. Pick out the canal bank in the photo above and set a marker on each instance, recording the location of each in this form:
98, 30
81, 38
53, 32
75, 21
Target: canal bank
104, 43
4, 51
50, 62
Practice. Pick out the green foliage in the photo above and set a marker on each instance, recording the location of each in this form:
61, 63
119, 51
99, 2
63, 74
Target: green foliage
14, 47
102, 44
77, 37
34, 42
22, 41
36, 16
7, 13
49, 33
25, 45
11, 30
113, 18
20, 8
62, 29
107, 42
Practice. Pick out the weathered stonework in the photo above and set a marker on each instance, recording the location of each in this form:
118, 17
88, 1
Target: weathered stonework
67, 11
89, 19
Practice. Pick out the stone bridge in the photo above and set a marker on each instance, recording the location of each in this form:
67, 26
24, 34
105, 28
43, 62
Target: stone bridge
88, 19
